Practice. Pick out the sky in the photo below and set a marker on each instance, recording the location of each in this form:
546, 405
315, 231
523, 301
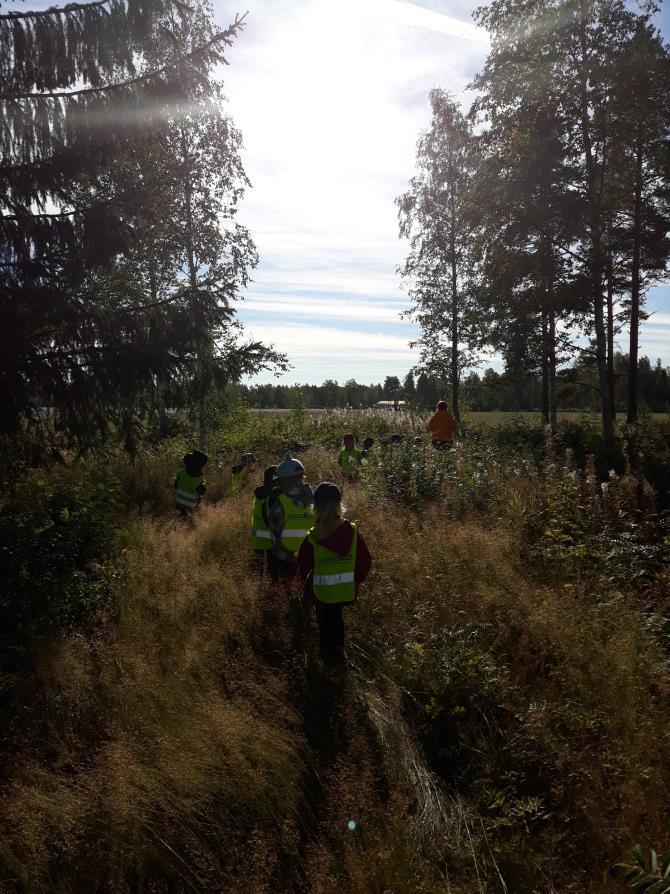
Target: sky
331, 96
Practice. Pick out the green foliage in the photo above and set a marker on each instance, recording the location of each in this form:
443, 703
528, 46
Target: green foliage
58, 533
406, 473
82, 342
648, 874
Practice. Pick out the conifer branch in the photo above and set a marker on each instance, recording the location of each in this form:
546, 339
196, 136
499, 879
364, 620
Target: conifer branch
225, 37
53, 10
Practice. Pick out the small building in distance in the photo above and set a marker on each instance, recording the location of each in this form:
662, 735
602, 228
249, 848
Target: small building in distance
390, 405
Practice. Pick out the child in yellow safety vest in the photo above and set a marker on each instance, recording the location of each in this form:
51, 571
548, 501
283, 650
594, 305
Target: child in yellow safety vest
189, 482
349, 459
334, 561
240, 473
288, 514
261, 538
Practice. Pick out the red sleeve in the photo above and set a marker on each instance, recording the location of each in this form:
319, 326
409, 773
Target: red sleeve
305, 558
363, 561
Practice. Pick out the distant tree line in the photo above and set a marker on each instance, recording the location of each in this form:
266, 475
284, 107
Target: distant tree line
544, 209
577, 389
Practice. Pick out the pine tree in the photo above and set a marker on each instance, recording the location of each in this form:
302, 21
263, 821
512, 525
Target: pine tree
433, 217
568, 55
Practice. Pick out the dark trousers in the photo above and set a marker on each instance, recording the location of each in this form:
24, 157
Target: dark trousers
331, 632
281, 571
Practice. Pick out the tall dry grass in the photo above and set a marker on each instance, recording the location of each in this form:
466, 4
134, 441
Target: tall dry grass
186, 744
492, 733
543, 706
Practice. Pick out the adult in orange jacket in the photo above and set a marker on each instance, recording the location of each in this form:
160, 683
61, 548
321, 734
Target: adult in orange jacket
442, 426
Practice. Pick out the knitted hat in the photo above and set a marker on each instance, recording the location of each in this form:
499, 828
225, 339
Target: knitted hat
289, 467
327, 492
196, 459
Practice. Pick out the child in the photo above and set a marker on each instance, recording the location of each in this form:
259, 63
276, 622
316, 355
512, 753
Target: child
289, 516
261, 538
334, 561
240, 473
189, 482
368, 443
390, 441
349, 459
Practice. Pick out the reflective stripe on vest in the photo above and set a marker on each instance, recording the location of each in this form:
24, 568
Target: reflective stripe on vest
333, 576
261, 538
331, 580
298, 521
186, 492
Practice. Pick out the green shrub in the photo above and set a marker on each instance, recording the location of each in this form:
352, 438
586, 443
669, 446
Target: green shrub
648, 873
57, 533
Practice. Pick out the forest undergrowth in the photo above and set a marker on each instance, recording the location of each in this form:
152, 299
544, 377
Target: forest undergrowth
503, 725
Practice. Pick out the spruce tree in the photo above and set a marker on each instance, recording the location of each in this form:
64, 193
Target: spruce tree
75, 92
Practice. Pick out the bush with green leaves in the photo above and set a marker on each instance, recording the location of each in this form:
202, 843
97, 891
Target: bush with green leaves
647, 874
58, 534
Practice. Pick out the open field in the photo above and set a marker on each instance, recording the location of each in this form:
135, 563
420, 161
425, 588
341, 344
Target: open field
490, 418
503, 723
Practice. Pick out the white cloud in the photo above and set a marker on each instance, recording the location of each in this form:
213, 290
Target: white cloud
410, 14
335, 353
310, 308
330, 96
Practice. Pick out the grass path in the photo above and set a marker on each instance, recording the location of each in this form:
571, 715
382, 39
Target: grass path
489, 726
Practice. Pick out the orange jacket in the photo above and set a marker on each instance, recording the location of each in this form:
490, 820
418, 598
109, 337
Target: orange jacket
442, 425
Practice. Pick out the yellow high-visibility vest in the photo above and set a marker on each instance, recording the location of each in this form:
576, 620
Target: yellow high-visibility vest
333, 576
186, 494
236, 482
261, 538
298, 521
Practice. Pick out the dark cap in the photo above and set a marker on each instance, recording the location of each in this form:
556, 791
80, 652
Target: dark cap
327, 492
269, 474
196, 459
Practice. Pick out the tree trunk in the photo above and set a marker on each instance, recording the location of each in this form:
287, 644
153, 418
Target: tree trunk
454, 330
545, 369
610, 333
596, 247
635, 287
193, 282
553, 421
159, 403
